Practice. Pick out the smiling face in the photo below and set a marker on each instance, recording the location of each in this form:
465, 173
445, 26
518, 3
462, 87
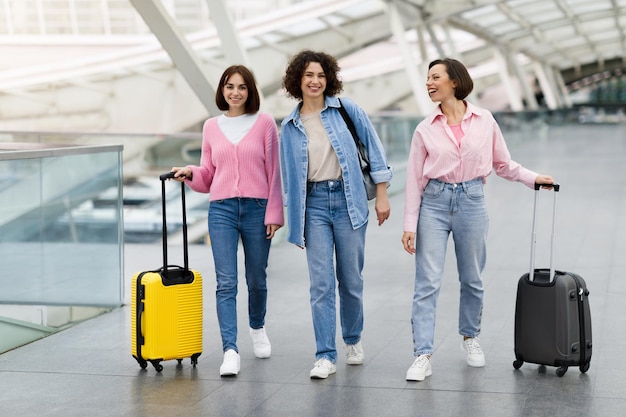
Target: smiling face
235, 92
439, 85
313, 81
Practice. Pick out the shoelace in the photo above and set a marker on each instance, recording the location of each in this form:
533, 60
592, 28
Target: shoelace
319, 363
473, 346
352, 350
421, 361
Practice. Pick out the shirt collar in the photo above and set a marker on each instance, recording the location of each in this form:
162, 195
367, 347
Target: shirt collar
469, 111
329, 101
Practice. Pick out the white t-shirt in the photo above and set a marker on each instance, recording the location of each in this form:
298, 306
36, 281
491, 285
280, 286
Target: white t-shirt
235, 128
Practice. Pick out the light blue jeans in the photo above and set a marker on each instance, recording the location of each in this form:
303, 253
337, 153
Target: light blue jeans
329, 235
229, 220
458, 209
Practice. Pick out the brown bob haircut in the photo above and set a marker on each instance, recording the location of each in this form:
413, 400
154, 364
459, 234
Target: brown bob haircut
458, 74
292, 81
253, 103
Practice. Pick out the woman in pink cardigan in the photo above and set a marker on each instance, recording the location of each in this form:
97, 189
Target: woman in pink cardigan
239, 167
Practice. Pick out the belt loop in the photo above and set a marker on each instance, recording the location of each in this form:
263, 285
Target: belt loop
441, 184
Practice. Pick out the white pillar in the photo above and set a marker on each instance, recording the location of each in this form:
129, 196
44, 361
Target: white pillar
529, 94
514, 98
546, 88
558, 77
412, 67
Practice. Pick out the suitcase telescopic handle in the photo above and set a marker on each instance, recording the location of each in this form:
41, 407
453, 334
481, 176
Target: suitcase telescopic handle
556, 186
166, 176
163, 178
533, 239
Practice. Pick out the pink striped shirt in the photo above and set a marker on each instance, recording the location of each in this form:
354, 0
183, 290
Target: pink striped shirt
435, 153
249, 168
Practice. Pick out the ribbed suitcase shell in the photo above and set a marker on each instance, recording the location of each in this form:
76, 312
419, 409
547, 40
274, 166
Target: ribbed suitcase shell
171, 319
166, 305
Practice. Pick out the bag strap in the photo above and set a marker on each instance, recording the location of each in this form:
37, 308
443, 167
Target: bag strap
348, 121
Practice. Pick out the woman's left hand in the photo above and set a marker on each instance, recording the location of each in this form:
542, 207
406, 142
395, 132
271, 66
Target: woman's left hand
382, 207
271, 229
545, 181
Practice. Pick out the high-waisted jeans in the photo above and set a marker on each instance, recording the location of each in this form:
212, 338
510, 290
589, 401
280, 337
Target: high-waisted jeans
329, 235
229, 220
458, 209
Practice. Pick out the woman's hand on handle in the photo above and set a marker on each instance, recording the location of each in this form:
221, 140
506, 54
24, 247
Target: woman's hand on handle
545, 181
182, 174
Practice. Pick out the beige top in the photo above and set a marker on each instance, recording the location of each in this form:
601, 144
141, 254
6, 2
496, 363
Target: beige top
323, 162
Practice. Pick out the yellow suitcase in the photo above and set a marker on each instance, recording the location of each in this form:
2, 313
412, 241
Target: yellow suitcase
166, 307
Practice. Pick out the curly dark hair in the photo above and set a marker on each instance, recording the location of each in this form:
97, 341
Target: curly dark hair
292, 81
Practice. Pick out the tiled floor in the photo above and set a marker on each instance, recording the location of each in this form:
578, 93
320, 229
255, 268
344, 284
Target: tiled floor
88, 370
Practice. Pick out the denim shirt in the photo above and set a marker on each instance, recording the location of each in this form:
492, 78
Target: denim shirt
294, 162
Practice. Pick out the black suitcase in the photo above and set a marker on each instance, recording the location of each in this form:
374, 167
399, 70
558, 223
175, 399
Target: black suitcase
552, 316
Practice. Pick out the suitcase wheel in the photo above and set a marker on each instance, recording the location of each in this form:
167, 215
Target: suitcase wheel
194, 359
584, 367
561, 371
180, 361
142, 363
517, 363
157, 366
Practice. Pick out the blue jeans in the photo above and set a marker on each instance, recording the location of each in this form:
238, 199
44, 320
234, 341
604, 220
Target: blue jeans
329, 234
228, 220
458, 209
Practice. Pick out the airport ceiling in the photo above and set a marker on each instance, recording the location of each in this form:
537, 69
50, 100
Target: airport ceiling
577, 37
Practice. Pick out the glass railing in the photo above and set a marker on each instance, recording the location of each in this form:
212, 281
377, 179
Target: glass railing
61, 235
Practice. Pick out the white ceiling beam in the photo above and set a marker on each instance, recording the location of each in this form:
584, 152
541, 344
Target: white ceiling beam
179, 50
231, 45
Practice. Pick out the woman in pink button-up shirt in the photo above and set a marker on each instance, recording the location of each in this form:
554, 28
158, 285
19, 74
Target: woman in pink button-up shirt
452, 152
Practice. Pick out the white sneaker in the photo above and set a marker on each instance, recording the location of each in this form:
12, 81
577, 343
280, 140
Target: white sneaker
231, 364
420, 369
260, 343
322, 369
354, 354
475, 355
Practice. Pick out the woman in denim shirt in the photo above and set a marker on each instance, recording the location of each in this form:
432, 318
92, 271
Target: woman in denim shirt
326, 200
